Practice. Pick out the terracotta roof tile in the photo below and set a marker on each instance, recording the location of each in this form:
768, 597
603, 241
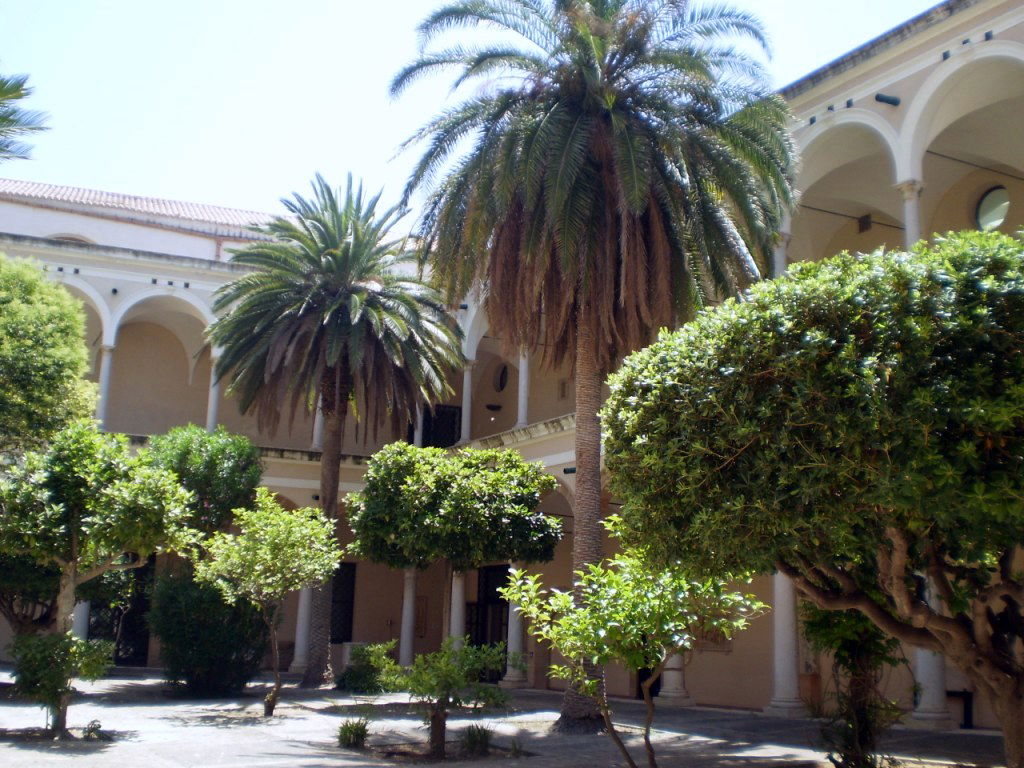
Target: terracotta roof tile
153, 206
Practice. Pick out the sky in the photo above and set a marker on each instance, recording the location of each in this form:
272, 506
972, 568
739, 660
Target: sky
241, 102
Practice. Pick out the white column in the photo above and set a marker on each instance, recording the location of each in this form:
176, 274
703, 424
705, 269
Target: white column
673, 684
417, 429
515, 677
301, 656
932, 711
80, 620
780, 261
318, 428
457, 621
522, 414
911, 192
467, 400
407, 635
105, 362
213, 398
785, 682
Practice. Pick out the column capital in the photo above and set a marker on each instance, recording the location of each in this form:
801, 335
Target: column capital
108, 348
469, 364
910, 189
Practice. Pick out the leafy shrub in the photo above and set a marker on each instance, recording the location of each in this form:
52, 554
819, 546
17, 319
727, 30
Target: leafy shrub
450, 678
212, 647
370, 670
45, 665
352, 733
476, 741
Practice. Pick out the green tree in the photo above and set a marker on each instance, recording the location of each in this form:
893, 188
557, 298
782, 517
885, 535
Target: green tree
87, 506
275, 552
631, 613
43, 358
331, 314
222, 470
420, 505
450, 678
15, 121
617, 161
858, 425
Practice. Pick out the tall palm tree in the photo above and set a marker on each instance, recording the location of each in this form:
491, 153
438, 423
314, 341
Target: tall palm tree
16, 122
333, 313
618, 162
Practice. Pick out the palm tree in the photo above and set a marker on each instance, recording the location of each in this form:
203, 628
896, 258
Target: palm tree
15, 121
618, 163
333, 313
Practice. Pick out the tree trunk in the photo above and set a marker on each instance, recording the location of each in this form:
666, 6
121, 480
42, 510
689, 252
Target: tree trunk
275, 659
1009, 709
645, 688
59, 717
318, 670
438, 731
580, 712
62, 624
606, 716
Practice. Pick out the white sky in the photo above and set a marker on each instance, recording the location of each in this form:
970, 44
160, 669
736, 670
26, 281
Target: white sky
240, 102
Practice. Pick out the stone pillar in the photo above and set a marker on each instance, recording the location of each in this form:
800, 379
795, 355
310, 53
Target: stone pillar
457, 619
522, 414
911, 192
318, 429
301, 657
780, 261
785, 682
105, 362
515, 676
80, 620
213, 398
673, 684
931, 711
408, 631
467, 401
417, 429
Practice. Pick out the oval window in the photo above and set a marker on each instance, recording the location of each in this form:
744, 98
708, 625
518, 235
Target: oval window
992, 209
501, 378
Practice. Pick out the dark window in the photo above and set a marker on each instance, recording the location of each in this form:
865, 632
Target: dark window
442, 428
343, 603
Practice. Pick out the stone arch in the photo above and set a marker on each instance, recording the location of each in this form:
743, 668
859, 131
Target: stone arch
816, 161
198, 308
475, 329
90, 296
924, 120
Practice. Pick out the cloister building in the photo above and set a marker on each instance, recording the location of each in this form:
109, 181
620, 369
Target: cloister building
915, 133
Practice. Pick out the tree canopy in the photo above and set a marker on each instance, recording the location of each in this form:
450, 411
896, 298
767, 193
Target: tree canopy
43, 357
858, 424
420, 505
221, 469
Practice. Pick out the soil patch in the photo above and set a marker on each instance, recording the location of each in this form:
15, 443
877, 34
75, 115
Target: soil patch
416, 752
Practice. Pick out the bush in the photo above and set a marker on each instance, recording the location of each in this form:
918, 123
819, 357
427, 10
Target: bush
212, 647
476, 741
352, 733
370, 670
45, 665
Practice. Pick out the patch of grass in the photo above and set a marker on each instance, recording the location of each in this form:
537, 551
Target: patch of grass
476, 741
352, 733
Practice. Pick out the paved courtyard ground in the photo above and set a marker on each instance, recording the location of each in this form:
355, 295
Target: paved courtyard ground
152, 729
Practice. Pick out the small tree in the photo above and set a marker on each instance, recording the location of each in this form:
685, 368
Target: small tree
858, 425
626, 611
860, 653
450, 678
276, 551
221, 469
86, 506
43, 357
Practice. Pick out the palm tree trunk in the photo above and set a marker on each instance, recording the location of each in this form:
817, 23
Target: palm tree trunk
318, 670
580, 711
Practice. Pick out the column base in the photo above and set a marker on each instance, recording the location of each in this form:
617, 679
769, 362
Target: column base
297, 668
788, 708
511, 683
675, 700
931, 721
